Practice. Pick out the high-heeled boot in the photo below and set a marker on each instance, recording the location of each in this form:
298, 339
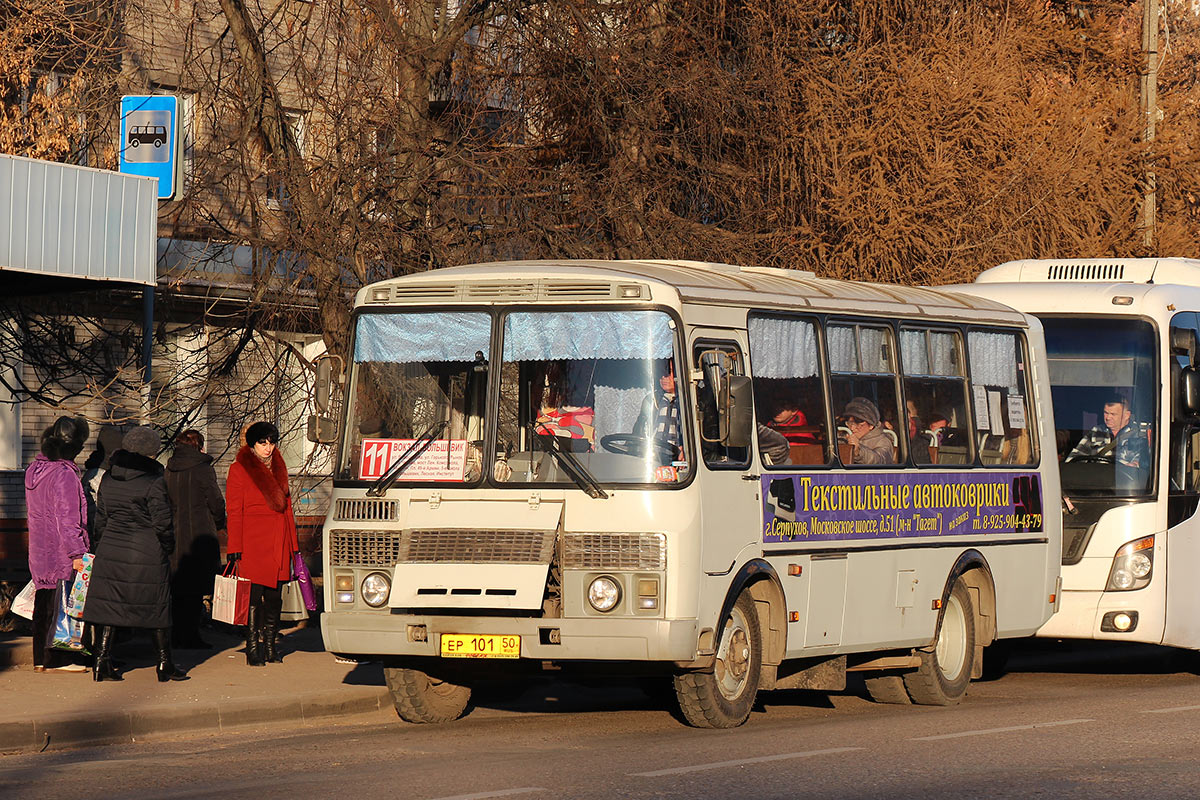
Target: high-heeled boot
166, 670
254, 654
270, 629
102, 668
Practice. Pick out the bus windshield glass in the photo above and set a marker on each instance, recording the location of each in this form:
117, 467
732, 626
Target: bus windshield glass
1104, 380
418, 393
589, 396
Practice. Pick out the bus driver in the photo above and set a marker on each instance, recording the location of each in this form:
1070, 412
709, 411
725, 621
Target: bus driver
1119, 439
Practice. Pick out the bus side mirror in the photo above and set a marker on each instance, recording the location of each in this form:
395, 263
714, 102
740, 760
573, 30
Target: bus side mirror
323, 388
1184, 343
741, 411
322, 429
1189, 391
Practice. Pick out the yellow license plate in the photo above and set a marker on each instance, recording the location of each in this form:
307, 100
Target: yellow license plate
480, 645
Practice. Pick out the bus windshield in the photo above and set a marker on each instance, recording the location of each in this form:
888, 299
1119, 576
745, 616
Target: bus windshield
593, 393
1104, 380
418, 392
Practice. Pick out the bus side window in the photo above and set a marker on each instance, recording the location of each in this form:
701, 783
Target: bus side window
1001, 388
935, 396
1184, 463
862, 362
788, 388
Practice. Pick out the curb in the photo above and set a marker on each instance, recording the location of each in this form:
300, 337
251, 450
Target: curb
122, 727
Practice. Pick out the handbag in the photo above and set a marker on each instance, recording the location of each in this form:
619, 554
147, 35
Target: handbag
22, 604
68, 631
231, 597
78, 594
301, 576
293, 608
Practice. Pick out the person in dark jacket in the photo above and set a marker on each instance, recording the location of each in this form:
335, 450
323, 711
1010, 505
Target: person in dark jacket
135, 535
262, 535
58, 537
199, 523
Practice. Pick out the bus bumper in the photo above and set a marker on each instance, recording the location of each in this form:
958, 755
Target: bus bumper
1081, 614
367, 633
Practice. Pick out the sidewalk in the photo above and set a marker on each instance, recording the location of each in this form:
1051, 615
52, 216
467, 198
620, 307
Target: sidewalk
53, 710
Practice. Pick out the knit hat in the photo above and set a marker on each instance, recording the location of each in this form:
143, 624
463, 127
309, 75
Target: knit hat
864, 409
144, 441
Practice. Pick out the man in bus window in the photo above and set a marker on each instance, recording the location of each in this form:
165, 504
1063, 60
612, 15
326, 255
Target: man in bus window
1118, 440
871, 445
659, 417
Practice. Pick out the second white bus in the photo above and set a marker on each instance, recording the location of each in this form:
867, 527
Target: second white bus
1122, 346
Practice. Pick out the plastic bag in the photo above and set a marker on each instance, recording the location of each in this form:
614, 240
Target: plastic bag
68, 631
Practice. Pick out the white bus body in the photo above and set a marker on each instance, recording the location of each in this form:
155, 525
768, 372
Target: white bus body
635, 547
1121, 329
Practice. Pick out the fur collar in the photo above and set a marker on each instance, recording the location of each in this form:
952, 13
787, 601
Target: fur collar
271, 483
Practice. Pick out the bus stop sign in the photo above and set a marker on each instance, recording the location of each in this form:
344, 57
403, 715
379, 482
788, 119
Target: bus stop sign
150, 138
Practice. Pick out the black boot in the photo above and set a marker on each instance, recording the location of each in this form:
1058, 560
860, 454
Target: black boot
102, 668
167, 671
254, 655
272, 607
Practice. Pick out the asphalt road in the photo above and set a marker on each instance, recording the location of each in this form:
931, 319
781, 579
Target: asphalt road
1067, 721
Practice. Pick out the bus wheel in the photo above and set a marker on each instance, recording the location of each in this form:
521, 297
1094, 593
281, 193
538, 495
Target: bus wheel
942, 678
887, 689
724, 697
419, 697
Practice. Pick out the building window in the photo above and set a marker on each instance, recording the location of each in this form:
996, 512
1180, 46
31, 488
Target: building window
277, 194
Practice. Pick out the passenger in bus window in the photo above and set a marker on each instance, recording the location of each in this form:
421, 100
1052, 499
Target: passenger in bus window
943, 434
659, 417
789, 420
1119, 439
773, 445
871, 445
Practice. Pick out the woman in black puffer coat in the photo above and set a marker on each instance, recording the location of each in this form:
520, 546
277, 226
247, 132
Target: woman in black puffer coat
199, 527
133, 540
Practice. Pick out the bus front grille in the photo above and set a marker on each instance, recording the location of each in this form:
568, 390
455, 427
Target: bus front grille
614, 551
363, 510
477, 547
364, 548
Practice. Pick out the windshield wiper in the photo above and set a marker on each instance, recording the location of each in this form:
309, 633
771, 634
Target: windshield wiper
407, 457
577, 471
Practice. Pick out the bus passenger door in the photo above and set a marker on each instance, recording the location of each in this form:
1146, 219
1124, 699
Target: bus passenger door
729, 502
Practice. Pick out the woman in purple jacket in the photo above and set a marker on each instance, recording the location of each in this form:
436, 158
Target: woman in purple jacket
57, 512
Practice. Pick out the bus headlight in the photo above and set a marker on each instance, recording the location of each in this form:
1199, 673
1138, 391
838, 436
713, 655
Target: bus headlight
375, 589
1132, 566
604, 593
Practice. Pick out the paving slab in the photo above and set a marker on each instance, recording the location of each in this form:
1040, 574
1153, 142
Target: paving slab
52, 710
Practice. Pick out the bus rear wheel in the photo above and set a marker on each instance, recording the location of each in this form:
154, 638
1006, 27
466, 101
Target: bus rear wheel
942, 678
724, 697
422, 698
887, 689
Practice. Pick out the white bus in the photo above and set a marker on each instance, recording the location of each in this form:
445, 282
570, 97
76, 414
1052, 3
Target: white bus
556, 465
1121, 338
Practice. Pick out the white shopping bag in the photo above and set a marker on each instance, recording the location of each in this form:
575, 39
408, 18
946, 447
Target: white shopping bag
22, 604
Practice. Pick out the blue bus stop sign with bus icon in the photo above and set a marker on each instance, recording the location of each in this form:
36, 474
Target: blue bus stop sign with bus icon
150, 139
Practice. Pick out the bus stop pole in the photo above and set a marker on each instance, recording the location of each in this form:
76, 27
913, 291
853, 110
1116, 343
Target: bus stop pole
147, 333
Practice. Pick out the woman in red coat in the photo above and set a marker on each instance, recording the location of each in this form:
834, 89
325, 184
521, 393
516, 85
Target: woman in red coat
262, 535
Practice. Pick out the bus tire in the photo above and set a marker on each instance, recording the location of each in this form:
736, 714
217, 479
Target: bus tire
887, 689
724, 697
942, 678
421, 698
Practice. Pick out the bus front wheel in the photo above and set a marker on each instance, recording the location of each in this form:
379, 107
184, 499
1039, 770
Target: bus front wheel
724, 697
423, 698
942, 678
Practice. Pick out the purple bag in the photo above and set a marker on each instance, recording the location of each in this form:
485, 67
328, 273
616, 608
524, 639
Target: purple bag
300, 576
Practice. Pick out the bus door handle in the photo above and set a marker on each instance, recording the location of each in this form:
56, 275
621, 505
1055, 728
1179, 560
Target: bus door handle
751, 477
